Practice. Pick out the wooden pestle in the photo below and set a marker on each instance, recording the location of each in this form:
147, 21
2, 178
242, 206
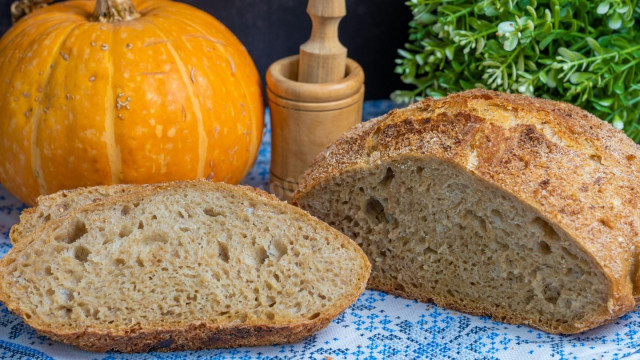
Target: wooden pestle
313, 98
323, 59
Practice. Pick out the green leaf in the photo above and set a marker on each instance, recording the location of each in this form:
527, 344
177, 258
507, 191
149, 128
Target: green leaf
623, 9
594, 45
579, 77
552, 80
506, 27
605, 101
567, 54
510, 43
599, 107
450, 51
546, 41
619, 86
480, 46
603, 8
617, 123
405, 54
615, 21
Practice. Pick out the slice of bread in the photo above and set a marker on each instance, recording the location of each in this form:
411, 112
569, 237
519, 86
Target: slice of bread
180, 266
522, 209
53, 206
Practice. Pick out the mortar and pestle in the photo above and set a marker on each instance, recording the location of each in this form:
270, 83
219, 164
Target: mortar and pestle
314, 97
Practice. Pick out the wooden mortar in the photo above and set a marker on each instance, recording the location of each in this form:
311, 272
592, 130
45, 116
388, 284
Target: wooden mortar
313, 98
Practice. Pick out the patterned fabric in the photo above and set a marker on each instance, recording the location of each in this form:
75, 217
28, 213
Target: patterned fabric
377, 326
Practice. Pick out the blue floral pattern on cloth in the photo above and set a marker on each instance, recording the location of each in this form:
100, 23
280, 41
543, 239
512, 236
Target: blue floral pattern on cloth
377, 326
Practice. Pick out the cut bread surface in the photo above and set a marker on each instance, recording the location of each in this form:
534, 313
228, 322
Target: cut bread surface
185, 266
523, 209
435, 233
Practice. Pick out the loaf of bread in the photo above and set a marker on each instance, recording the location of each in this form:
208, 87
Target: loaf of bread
53, 206
182, 266
522, 209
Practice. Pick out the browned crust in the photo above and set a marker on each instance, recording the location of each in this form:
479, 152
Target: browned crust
193, 336
575, 169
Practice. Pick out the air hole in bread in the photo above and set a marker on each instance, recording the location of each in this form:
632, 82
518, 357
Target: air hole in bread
596, 158
140, 225
375, 210
277, 249
125, 231
496, 216
428, 250
314, 316
243, 317
65, 312
184, 229
157, 237
211, 212
81, 253
139, 262
65, 296
270, 315
473, 221
46, 218
223, 252
388, 177
544, 248
547, 230
154, 217
47, 270
125, 210
119, 262
78, 230
419, 170
259, 256
551, 294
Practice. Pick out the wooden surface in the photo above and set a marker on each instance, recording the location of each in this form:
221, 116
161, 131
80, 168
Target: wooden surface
322, 57
306, 118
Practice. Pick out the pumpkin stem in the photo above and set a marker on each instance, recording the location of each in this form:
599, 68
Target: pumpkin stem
112, 11
21, 8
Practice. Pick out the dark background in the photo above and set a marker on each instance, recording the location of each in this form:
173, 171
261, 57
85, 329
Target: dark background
372, 31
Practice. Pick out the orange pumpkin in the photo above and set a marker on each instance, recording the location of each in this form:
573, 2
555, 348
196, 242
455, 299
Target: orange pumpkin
131, 92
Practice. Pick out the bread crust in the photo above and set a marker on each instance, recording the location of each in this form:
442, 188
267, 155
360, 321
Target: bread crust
192, 336
577, 171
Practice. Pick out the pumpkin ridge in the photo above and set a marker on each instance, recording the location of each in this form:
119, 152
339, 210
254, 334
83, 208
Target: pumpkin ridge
10, 67
202, 137
254, 125
36, 164
110, 133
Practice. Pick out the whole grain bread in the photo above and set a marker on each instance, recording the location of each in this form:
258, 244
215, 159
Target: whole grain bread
53, 206
182, 266
495, 204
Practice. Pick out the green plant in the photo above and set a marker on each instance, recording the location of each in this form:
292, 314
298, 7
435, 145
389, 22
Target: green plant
583, 52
